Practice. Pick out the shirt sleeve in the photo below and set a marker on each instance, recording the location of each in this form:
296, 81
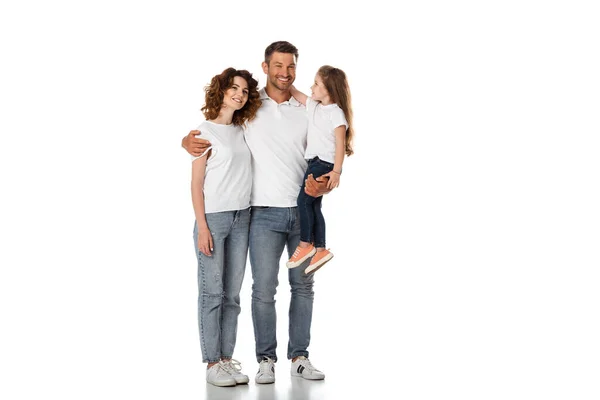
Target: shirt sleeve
204, 134
338, 118
310, 105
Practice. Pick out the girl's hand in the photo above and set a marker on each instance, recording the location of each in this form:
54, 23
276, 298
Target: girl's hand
334, 179
205, 241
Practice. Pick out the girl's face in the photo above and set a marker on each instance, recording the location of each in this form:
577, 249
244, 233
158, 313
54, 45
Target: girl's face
237, 95
319, 93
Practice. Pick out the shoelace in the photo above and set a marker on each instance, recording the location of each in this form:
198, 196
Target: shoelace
232, 366
296, 252
264, 365
222, 367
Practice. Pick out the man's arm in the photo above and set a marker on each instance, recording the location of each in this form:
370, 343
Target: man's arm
193, 145
316, 187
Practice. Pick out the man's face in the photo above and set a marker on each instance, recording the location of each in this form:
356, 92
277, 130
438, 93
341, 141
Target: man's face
281, 70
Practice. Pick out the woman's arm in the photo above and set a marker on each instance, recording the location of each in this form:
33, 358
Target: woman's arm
205, 242
298, 95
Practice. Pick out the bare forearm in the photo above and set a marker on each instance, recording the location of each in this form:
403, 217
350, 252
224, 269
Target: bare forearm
340, 150
298, 95
198, 173
339, 160
198, 203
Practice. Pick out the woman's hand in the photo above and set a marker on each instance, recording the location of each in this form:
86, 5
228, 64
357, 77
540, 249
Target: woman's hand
205, 241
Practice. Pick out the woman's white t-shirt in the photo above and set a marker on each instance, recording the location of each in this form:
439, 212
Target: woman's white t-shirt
228, 177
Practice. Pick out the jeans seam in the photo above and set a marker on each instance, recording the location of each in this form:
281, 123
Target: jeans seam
202, 322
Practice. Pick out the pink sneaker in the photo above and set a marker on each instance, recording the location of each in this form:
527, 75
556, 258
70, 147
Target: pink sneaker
318, 261
300, 255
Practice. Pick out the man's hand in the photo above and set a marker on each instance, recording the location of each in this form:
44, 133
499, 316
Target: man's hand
316, 187
194, 146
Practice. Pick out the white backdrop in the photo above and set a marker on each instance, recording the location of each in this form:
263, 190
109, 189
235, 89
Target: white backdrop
465, 229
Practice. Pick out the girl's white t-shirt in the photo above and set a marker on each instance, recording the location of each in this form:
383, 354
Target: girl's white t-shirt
228, 177
322, 121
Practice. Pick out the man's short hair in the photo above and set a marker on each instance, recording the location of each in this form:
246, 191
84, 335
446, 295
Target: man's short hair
280, 47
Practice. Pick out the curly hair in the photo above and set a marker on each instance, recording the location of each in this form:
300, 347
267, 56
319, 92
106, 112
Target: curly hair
215, 91
336, 83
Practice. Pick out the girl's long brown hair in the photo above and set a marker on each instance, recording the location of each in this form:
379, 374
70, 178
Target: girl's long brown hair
336, 83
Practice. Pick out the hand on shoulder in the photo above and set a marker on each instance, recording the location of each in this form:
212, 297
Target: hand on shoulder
193, 145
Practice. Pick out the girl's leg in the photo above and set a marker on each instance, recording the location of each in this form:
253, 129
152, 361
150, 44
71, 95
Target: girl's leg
305, 210
319, 225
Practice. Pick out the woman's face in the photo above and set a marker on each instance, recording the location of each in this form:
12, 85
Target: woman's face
237, 95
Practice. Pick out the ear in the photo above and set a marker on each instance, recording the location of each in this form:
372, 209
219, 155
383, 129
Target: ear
265, 67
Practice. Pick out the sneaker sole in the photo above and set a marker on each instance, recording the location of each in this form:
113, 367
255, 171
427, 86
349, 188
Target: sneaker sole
307, 377
311, 269
242, 381
294, 264
222, 384
265, 382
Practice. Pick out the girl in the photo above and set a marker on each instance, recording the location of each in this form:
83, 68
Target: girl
330, 134
221, 183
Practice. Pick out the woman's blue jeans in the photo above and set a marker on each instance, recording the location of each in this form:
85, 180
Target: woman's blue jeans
220, 278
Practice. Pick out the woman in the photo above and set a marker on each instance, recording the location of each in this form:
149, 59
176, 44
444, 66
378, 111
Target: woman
221, 183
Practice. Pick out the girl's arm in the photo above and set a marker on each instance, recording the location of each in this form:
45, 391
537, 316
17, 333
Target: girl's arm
298, 95
205, 241
340, 151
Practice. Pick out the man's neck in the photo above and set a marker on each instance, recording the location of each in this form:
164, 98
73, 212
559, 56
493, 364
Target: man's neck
278, 95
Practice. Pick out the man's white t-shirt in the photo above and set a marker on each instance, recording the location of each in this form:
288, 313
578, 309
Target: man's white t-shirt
277, 142
228, 177
322, 121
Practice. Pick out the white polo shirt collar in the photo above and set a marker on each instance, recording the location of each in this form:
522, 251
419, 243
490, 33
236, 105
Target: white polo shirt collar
292, 101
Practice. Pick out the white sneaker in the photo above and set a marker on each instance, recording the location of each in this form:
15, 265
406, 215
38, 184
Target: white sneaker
302, 367
234, 367
217, 375
266, 371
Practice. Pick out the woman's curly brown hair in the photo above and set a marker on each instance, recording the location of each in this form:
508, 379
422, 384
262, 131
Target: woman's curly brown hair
215, 92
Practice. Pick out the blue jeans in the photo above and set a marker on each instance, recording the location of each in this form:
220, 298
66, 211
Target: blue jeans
271, 230
312, 222
220, 278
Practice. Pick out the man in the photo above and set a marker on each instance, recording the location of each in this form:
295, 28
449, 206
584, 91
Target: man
277, 141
